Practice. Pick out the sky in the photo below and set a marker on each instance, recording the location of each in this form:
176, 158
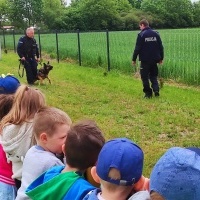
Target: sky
68, 2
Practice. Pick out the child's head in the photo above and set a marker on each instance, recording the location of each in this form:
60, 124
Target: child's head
176, 175
119, 165
8, 84
83, 144
6, 101
27, 101
50, 126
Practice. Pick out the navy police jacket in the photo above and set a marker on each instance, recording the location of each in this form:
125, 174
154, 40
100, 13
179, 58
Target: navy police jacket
27, 47
148, 46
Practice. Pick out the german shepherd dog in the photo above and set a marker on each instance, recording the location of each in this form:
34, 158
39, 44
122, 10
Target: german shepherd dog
43, 72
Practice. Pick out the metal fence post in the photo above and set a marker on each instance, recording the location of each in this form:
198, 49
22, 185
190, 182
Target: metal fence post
108, 48
79, 47
13, 31
57, 46
40, 48
4, 40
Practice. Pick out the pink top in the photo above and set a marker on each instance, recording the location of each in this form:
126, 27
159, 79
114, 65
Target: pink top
5, 169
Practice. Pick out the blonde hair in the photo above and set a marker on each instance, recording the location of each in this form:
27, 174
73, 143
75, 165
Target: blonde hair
27, 101
156, 196
47, 119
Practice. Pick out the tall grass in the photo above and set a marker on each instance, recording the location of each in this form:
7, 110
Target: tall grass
182, 47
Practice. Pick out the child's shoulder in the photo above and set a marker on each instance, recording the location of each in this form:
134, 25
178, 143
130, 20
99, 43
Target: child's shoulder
46, 158
141, 195
92, 195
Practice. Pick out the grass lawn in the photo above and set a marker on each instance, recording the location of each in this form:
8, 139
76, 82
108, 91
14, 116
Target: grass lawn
116, 103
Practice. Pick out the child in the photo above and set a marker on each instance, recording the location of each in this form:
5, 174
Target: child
17, 127
7, 184
50, 126
176, 175
83, 144
8, 84
118, 168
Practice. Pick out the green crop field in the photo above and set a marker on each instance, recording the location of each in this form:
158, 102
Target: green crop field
182, 48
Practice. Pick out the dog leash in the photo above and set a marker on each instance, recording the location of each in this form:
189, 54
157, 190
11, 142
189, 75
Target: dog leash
21, 63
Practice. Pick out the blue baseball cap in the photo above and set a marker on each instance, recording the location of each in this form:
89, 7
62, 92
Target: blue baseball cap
8, 84
123, 155
176, 175
195, 149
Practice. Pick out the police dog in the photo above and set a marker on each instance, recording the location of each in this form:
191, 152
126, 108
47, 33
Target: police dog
43, 72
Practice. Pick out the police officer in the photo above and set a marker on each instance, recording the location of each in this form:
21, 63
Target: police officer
28, 52
150, 50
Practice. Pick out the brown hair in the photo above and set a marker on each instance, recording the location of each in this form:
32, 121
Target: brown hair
6, 101
156, 196
27, 101
114, 174
144, 22
47, 119
83, 144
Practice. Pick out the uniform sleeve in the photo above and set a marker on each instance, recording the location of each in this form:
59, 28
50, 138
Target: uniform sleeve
161, 48
137, 47
37, 51
20, 47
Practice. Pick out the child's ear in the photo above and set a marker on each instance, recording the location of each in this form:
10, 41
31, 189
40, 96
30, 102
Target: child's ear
43, 137
142, 184
94, 174
63, 148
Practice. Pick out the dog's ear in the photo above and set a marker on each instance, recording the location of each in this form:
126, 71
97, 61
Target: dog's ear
44, 64
48, 63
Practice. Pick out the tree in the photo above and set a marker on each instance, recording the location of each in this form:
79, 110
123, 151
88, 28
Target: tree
135, 3
173, 13
3, 11
123, 6
24, 13
196, 13
53, 12
99, 15
132, 18
96, 15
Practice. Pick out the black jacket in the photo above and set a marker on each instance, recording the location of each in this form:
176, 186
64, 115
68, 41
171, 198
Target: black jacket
27, 47
148, 46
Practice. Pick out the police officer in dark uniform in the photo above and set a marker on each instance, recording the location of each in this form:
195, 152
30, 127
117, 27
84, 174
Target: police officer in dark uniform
28, 52
150, 50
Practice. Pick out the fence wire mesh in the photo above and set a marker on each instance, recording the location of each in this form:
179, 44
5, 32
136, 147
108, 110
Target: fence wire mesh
113, 51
